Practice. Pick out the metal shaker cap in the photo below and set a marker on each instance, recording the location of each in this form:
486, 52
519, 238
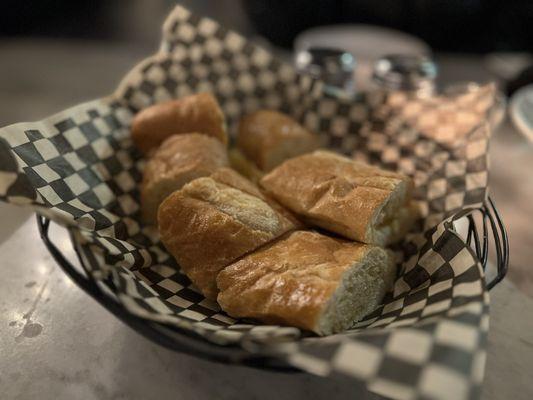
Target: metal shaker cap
334, 66
405, 72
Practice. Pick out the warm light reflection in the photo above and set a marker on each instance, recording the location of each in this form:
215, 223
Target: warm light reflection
42, 268
16, 316
67, 281
461, 227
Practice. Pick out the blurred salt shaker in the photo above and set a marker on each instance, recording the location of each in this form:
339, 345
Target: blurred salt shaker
335, 67
366, 43
412, 74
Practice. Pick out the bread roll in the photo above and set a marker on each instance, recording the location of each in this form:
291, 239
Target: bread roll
270, 137
307, 280
196, 113
353, 199
179, 160
208, 224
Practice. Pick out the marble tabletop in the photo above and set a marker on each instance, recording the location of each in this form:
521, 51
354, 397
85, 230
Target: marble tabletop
58, 343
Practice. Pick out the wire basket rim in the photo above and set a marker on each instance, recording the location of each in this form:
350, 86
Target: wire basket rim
183, 341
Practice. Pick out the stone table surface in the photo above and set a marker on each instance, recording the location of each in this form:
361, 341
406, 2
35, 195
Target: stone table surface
58, 343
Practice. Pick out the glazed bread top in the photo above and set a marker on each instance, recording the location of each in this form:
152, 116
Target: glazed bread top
196, 113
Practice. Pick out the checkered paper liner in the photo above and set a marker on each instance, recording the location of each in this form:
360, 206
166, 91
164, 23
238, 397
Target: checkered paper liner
79, 169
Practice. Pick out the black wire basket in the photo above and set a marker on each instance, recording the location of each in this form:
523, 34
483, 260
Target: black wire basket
485, 231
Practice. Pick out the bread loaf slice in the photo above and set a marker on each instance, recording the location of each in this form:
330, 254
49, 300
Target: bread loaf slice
196, 113
307, 280
354, 199
269, 137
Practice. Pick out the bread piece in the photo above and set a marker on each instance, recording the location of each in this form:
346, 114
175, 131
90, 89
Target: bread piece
208, 224
308, 280
353, 199
232, 178
270, 137
244, 166
197, 113
179, 160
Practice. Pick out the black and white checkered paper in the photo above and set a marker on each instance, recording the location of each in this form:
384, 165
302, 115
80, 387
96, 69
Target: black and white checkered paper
79, 168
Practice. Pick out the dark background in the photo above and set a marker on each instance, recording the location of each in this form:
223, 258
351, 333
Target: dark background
475, 26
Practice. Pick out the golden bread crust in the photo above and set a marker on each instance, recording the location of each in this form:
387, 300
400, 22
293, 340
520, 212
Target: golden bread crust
232, 178
196, 113
290, 281
338, 194
179, 160
269, 137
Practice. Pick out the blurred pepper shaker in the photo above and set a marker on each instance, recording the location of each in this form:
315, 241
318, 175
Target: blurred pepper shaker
335, 67
411, 74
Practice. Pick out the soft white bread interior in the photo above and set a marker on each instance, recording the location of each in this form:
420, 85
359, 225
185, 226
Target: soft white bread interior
360, 291
393, 223
179, 160
269, 137
308, 280
354, 199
